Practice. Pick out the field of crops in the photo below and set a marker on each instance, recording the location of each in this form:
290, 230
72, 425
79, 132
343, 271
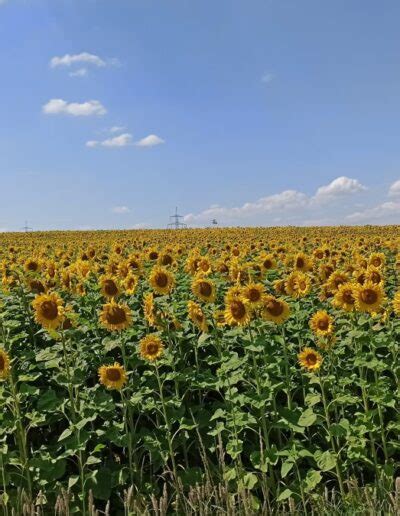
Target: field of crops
216, 371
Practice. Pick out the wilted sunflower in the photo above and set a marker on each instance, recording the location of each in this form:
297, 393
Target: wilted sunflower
161, 280
4, 364
275, 310
369, 297
196, 315
151, 347
310, 359
321, 323
204, 289
49, 311
109, 286
115, 317
112, 376
253, 292
396, 303
237, 312
130, 283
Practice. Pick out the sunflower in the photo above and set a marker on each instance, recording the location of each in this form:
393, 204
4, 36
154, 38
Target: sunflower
36, 286
161, 280
32, 265
321, 323
377, 260
302, 262
336, 279
310, 359
149, 309
4, 364
196, 315
109, 286
374, 274
253, 292
49, 311
130, 283
369, 297
297, 284
279, 286
275, 310
112, 376
219, 318
268, 262
204, 289
344, 297
396, 303
115, 316
151, 347
237, 312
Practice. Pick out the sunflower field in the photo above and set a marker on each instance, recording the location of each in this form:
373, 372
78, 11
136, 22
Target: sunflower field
210, 371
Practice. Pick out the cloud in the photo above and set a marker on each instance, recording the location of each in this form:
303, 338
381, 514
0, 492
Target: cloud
81, 72
287, 207
267, 78
394, 190
117, 129
121, 209
122, 140
150, 141
341, 186
387, 212
72, 59
62, 107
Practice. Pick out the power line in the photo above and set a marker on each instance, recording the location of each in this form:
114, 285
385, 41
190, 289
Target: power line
176, 223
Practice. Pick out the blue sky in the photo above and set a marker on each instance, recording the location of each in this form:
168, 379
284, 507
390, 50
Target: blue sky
263, 112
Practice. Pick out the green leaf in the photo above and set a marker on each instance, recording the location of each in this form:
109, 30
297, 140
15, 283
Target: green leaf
287, 493
312, 479
286, 467
326, 461
307, 418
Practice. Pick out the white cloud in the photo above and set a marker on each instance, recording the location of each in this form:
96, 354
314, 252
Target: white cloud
387, 212
287, 207
72, 59
122, 140
394, 189
150, 141
117, 129
341, 186
62, 107
267, 78
81, 72
121, 209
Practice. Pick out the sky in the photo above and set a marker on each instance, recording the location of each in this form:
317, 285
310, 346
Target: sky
257, 112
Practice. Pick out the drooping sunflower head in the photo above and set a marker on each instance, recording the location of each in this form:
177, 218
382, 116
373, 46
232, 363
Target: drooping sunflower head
197, 316
4, 365
321, 323
115, 317
49, 311
310, 359
275, 310
112, 376
162, 280
237, 312
396, 303
204, 289
151, 347
369, 297
109, 286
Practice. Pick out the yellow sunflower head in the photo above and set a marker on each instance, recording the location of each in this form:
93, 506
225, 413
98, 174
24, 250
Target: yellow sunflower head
321, 323
130, 283
310, 359
49, 311
151, 347
369, 297
345, 297
297, 284
237, 312
204, 289
253, 292
112, 376
115, 317
275, 310
4, 364
396, 303
109, 286
162, 280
